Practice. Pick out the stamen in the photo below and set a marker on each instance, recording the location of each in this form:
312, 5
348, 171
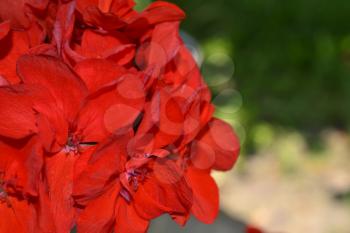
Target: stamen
72, 145
133, 179
125, 194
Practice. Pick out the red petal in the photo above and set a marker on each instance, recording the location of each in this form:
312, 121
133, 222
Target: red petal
157, 12
95, 45
98, 216
64, 23
98, 73
162, 11
119, 8
163, 119
198, 116
205, 195
31, 108
95, 17
82, 162
164, 45
20, 164
183, 70
51, 122
45, 221
122, 55
105, 5
3, 81
37, 108
223, 141
202, 155
4, 29
15, 11
53, 128
55, 77
127, 220
17, 216
17, 117
12, 47
36, 34
123, 8
101, 116
59, 174
82, 4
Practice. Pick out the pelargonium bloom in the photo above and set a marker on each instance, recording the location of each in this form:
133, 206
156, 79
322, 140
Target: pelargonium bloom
105, 120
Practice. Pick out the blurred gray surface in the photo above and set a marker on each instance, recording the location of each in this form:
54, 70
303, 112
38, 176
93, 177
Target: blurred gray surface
223, 224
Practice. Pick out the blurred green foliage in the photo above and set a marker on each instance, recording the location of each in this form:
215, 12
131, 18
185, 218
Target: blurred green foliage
291, 58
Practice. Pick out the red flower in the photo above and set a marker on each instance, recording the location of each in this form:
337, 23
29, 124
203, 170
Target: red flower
105, 120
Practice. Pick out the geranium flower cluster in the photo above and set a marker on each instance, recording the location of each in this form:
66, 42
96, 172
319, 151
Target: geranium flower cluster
105, 120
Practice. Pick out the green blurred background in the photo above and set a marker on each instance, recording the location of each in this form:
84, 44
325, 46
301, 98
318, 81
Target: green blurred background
280, 74
292, 58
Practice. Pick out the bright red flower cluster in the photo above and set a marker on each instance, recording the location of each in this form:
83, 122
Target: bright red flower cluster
105, 120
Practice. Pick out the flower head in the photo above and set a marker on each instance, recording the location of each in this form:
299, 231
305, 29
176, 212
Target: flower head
105, 120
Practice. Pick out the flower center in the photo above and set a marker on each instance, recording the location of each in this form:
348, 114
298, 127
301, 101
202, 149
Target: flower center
72, 145
75, 144
130, 182
134, 176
